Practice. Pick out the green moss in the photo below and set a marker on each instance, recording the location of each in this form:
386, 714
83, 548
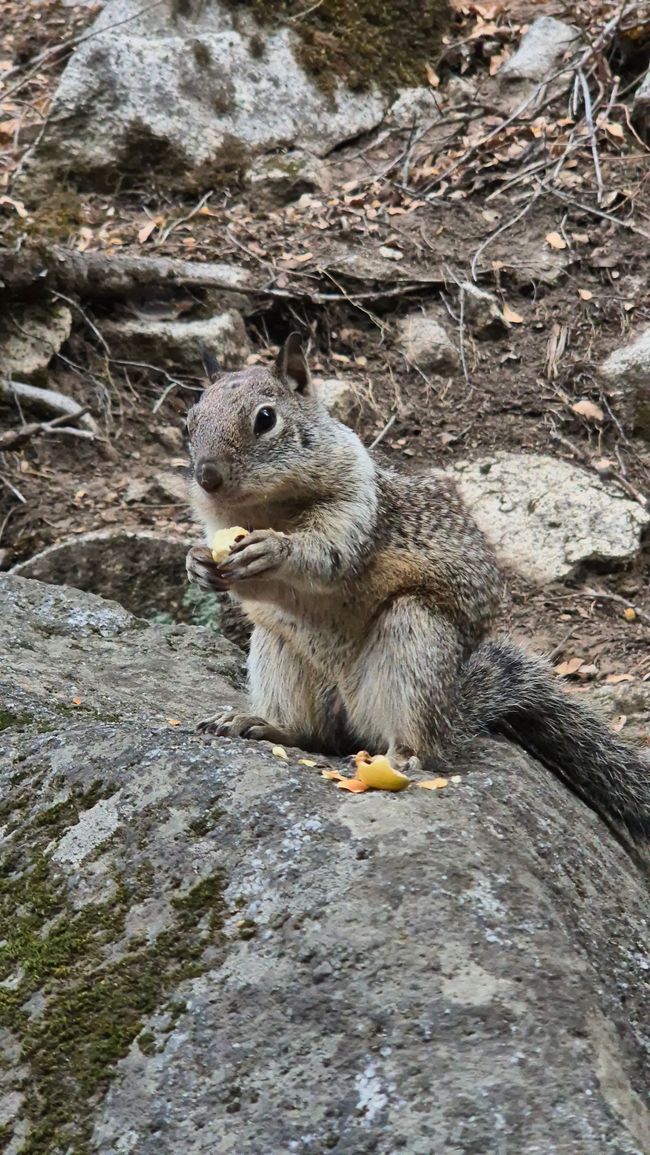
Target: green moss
207, 822
7, 719
92, 1008
386, 42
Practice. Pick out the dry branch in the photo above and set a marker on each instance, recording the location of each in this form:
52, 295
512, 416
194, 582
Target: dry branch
48, 399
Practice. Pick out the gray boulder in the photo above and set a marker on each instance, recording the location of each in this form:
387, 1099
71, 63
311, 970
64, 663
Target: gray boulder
626, 373
546, 518
541, 51
142, 570
209, 949
482, 312
426, 344
279, 179
30, 335
180, 87
179, 344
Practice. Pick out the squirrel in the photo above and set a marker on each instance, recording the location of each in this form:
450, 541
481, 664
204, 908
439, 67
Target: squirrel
372, 597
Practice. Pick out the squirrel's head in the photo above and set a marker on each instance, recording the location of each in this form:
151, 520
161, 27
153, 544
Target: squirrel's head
252, 433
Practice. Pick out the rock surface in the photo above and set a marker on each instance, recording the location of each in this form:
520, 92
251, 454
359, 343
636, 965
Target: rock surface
546, 518
641, 106
29, 337
210, 950
178, 87
481, 311
180, 343
141, 570
627, 372
276, 180
541, 51
426, 344
344, 399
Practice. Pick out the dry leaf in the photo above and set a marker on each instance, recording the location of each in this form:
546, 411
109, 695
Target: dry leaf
280, 752
615, 679
566, 669
146, 231
585, 294
497, 60
352, 784
589, 410
614, 130
629, 614
555, 241
432, 76
588, 671
618, 723
511, 317
174, 721
76, 701
433, 783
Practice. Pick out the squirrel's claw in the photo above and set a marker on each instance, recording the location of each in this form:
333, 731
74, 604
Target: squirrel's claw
203, 572
259, 552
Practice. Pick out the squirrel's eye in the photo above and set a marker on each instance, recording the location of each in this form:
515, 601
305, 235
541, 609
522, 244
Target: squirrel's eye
265, 419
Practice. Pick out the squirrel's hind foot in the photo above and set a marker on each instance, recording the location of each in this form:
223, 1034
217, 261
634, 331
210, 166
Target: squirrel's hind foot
231, 725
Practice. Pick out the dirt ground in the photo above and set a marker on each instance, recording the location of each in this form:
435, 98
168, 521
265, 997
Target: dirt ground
571, 300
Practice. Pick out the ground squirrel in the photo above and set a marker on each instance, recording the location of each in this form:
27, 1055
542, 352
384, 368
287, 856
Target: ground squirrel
372, 596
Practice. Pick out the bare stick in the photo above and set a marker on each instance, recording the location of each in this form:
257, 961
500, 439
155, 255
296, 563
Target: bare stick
598, 212
48, 399
586, 97
461, 337
16, 438
18, 494
603, 596
387, 428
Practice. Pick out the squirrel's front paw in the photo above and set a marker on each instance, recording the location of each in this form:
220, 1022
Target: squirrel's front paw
203, 571
259, 552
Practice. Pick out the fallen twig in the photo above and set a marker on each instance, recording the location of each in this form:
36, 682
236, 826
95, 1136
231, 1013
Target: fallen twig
586, 98
48, 399
603, 596
15, 438
380, 436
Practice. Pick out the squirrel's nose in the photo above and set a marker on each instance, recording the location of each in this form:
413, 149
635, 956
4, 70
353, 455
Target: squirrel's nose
208, 476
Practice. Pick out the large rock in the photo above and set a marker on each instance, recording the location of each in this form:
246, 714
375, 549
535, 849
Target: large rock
546, 518
627, 374
641, 105
541, 52
208, 949
426, 344
179, 86
344, 398
279, 179
30, 335
142, 570
180, 344
482, 312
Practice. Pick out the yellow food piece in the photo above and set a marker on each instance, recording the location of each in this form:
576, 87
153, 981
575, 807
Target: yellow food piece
629, 614
224, 540
435, 783
380, 774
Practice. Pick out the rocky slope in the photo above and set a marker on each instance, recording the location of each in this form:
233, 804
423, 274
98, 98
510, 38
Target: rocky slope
205, 948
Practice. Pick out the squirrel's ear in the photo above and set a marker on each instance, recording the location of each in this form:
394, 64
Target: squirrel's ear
210, 363
291, 365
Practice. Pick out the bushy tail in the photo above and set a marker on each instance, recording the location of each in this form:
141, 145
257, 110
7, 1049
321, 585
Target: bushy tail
508, 691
